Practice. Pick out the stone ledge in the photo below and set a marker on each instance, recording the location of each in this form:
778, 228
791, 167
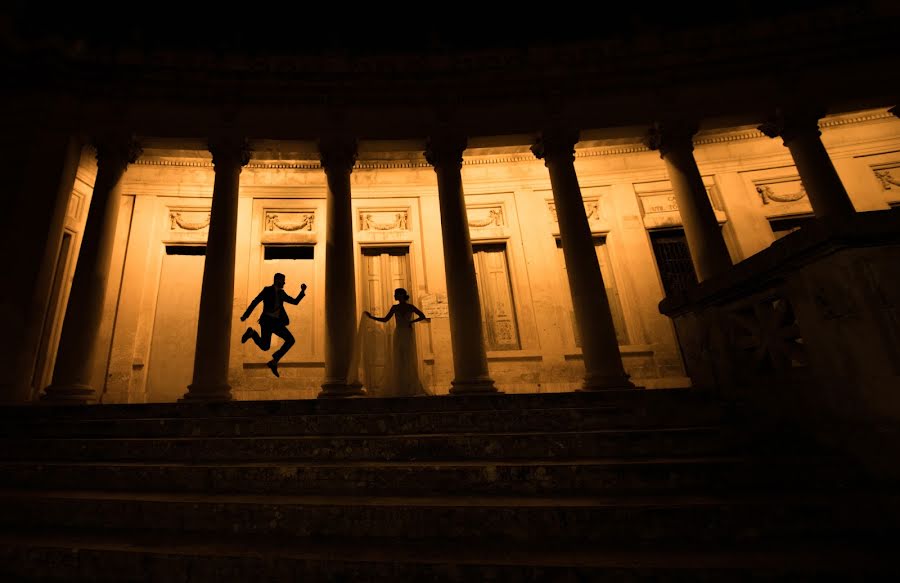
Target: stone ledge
807, 245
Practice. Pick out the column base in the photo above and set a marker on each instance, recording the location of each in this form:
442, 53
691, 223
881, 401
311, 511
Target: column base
340, 390
474, 387
201, 393
76, 394
606, 383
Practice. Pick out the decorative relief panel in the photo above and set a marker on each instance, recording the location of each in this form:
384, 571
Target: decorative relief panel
658, 198
384, 219
888, 176
188, 219
485, 217
781, 191
592, 210
288, 221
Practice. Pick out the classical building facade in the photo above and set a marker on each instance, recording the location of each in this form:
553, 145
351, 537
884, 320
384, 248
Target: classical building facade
631, 202
538, 202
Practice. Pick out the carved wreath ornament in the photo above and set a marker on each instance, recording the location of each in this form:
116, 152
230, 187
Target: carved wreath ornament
369, 224
273, 222
176, 220
767, 194
591, 210
495, 217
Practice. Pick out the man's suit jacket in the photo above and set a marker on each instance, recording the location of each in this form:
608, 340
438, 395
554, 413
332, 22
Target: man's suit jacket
268, 297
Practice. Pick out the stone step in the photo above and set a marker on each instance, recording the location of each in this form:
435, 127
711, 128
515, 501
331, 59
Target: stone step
691, 441
561, 478
560, 419
603, 520
506, 402
136, 557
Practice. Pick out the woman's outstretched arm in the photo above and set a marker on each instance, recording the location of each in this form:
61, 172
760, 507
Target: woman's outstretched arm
389, 315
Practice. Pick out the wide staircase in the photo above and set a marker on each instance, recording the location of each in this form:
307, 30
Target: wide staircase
615, 486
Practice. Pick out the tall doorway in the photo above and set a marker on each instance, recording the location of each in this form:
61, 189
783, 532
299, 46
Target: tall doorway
383, 270
172, 347
297, 264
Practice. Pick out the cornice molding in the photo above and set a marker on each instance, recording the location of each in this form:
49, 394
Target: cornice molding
840, 121
632, 148
180, 163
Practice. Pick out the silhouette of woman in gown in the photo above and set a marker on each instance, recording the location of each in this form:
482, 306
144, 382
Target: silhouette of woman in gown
403, 373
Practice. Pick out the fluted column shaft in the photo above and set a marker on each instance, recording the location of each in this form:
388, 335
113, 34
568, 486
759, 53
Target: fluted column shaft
84, 311
338, 156
800, 133
602, 359
211, 358
701, 228
470, 368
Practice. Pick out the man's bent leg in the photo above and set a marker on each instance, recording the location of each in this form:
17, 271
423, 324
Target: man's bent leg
285, 334
264, 340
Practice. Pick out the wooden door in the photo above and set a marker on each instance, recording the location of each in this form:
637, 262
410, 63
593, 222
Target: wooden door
498, 313
384, 269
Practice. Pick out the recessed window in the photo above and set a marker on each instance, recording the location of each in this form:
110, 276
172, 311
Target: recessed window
288, 252
673, 260
185, 249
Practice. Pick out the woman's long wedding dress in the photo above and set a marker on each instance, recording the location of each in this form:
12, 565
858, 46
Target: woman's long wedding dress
402, 379
400, 376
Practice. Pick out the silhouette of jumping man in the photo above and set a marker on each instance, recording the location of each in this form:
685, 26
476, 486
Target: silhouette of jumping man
274, 319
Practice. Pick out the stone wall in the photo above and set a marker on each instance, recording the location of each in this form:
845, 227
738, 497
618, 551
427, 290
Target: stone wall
808, 331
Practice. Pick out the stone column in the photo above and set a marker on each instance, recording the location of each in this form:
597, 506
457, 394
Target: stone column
801, 135
39, 169
701, 229
210, 380
84, 311
337, 155
470, 368
603, 367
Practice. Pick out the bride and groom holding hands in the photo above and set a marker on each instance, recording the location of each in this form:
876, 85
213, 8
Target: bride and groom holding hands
402, 378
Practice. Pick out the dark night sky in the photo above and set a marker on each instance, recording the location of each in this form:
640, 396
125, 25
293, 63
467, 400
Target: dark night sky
420, 27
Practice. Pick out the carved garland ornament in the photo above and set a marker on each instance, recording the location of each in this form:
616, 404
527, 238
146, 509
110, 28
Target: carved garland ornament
767, 194
368, 223
495, 217
176, 221
591, 210
887, 181
273, 223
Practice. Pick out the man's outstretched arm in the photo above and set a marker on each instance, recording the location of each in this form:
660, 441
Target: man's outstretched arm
252, 305
299, 297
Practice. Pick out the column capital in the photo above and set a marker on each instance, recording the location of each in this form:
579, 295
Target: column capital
555, 143
445, 150
337, 153
227, 151
790, 124
116, 151
671, 135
